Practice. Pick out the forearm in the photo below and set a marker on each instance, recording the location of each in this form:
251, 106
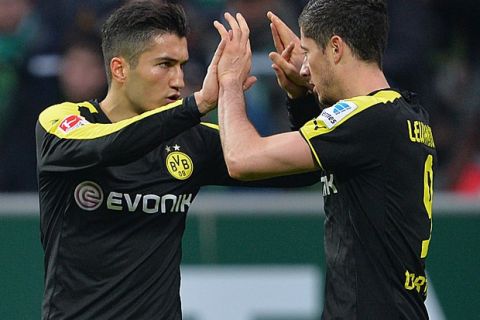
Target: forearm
249, 156
237, 134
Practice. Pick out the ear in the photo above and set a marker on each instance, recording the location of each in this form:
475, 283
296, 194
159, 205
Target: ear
119, 68
338, 47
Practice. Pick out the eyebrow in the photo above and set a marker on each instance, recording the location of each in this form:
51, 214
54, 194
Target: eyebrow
169, 59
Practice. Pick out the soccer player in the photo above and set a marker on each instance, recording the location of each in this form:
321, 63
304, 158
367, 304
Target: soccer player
117, 177
373, 145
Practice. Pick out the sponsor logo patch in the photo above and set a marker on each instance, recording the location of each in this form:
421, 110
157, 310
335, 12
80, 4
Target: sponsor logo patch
334, 114
88, 195
72, 122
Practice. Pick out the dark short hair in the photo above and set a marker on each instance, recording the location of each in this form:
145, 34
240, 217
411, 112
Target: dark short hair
130, 29
362, 24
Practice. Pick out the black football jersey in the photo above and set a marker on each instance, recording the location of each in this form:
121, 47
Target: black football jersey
113, 204
378, 157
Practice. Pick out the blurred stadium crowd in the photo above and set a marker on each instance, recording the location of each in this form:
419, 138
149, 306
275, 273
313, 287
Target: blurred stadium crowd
50, 52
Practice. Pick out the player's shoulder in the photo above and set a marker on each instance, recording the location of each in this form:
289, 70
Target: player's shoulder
208, 132
60, 111
386, 96
346, 109
66, 108
207, 129
202, 140
204, 132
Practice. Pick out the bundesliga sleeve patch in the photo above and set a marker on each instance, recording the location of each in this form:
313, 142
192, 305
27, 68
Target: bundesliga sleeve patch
71, 123
333, 115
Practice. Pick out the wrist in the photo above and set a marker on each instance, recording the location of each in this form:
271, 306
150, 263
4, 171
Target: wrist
204, 106
231, 82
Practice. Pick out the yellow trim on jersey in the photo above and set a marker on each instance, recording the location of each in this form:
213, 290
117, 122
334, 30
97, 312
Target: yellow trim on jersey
313, 150
317, 127
51, 118
89, 106
210, 125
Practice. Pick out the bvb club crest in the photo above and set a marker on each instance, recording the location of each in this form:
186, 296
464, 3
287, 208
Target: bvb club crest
179, 164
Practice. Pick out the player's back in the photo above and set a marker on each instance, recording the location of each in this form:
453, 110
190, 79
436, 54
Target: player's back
378, 155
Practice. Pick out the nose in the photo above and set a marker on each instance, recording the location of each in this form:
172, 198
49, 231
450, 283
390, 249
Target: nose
177, 80
305, 69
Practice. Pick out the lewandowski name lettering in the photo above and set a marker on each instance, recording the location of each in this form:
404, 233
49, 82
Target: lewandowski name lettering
420, 132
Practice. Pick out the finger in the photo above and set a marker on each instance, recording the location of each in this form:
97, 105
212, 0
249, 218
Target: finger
277, 21
287, 68
218, 53
277, 59
285, 33
233, 25
243, 28
251, 80
277, 42
281, 76
287, 53
221, 30
249, 52
269, 14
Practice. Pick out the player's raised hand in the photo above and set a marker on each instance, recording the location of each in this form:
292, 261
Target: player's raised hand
288, 59
236, 60
283, 36
207, 97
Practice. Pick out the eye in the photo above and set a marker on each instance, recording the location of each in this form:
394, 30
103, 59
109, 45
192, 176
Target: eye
163, 64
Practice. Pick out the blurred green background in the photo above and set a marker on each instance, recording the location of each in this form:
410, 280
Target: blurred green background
252, 229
